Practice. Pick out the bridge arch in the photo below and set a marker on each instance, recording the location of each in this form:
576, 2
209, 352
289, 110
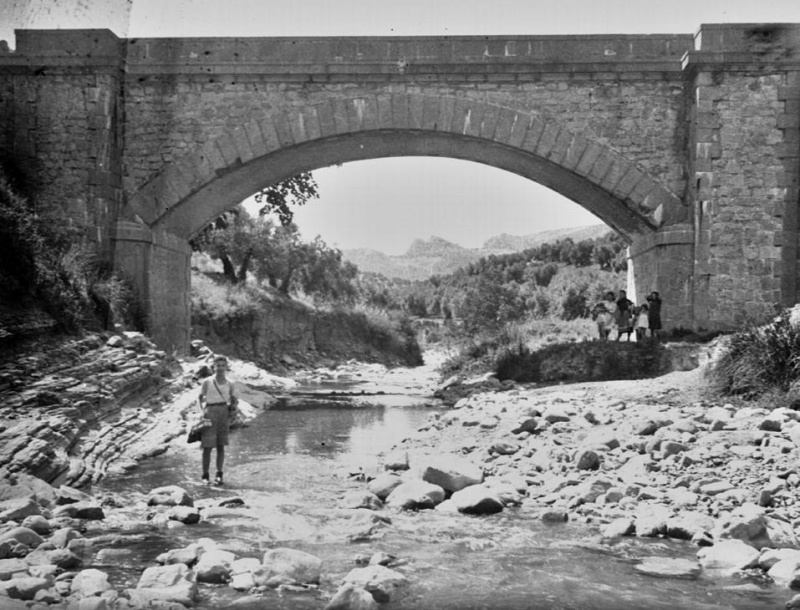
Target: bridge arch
190, 192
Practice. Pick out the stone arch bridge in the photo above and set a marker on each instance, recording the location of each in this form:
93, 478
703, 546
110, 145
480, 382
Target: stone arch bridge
687, 145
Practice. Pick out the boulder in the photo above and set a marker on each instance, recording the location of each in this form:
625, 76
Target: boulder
188, 515
651, 520
24, 588
88, 583
415, 495
728, 557
80, 510
22, 535
38, 524
170, 495
383, 583
10, 568
785, 571
451, 472
17, 509
619, 527
751, 524
242, 573
360, 499
283, 566
352, 597
171, 583
188, 555
587, 459
384, 484
477, 500
214, 566
686, 525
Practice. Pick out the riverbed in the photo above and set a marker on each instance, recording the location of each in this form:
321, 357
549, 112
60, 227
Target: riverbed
294, 462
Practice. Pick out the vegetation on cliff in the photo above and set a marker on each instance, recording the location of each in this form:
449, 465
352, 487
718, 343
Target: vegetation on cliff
47, 264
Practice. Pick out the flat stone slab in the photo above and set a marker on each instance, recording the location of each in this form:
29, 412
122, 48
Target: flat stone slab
669, 568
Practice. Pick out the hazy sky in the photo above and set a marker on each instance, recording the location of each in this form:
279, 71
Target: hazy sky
384, 204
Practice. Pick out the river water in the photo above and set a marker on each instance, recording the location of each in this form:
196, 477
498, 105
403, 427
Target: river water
290, 465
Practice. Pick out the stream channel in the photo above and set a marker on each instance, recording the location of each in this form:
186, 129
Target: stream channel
291, 466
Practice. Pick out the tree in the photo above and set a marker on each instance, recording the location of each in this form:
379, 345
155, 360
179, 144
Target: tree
279, 198
231, 239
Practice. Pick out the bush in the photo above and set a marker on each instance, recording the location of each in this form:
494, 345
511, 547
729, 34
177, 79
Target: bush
53, 265
759, 360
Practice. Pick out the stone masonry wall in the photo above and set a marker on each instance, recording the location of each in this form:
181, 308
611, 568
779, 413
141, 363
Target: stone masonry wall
640, 116
742, 200
59, 117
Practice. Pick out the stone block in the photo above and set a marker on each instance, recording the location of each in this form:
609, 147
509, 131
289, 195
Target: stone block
576, 149
519, 129
242, 144
430, 112
227, 148
447, 114
283, 129
270, 134
474, 119
491, 117
591, 155
505, 123
416, 109
561, 146
339, 113
461, 113
400, 112
385, 118
548, 139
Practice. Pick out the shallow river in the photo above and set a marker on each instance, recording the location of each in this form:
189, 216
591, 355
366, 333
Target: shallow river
290, 466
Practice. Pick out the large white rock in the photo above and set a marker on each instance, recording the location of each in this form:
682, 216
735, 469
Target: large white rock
450, 472
285, 566
214, 566
242, 573
174, 583
90, 582
384, 484
728, 557
352, 597
784, 571
751, 524
383, 583
170, 495
415, 495
477, 500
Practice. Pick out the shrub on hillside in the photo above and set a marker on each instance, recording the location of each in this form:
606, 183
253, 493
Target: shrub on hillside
759, 360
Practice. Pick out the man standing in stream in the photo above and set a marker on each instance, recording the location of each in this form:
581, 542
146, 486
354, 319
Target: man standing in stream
217, 401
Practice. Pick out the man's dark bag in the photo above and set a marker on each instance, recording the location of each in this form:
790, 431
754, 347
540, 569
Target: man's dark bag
196, 430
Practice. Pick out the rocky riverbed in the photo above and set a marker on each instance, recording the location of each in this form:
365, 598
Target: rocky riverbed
648, 459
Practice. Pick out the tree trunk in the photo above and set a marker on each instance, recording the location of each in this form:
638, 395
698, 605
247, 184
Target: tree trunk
228, 270
244, 267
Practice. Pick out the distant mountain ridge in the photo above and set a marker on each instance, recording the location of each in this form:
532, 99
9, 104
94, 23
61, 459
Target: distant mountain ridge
437, 256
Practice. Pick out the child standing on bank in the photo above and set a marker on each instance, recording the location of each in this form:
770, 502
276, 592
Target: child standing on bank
642, 322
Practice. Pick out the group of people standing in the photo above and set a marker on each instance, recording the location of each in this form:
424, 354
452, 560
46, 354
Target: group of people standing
620, 314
